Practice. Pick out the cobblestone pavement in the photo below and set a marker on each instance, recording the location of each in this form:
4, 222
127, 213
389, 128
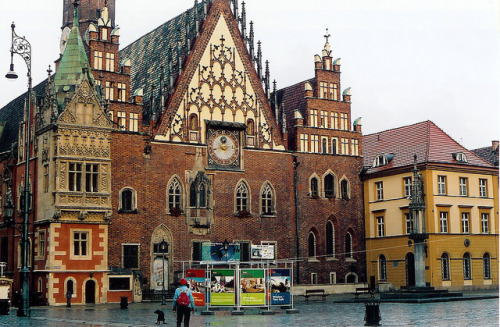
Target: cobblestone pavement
330, 313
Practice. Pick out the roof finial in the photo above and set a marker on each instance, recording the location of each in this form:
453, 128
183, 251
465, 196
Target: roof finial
327, 35
76, 19
251, 39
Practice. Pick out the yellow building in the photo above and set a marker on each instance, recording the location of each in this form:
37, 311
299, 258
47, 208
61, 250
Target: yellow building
461, 215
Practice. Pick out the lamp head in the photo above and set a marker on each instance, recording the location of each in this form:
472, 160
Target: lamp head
11, 75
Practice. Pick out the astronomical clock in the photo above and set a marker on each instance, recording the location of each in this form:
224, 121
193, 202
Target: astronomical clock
224, 146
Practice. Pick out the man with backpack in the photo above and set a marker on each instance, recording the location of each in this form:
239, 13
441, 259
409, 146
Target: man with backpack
183, 303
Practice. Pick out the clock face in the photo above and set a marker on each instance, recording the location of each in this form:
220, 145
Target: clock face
223, 148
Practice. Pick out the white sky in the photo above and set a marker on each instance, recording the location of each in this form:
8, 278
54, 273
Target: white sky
406, 60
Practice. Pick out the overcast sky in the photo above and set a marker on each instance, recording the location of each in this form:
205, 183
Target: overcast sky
406, 61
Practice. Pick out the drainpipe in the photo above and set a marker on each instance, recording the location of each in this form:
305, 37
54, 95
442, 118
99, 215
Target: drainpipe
295, 165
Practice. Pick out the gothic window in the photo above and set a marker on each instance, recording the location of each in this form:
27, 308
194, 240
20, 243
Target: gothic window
330, 239
486, 266
267, 200
348, 245
314, 188
445, 266
192, 195
174, 195
202, 196
334, 146
311, 245
324, 145
345, 190
329, 184
198, 194
242, 198
382, 275
128, 200
467, 266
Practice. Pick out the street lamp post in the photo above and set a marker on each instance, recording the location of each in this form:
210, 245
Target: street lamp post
163, 248
22, 47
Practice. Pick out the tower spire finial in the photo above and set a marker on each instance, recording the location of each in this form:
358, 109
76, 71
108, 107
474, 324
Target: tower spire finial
327, 35
76, 19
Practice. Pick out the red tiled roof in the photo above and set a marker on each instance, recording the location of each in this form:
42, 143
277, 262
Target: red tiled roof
292, 98
429, 142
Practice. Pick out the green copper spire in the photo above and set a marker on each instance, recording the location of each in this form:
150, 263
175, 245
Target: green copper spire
74, 66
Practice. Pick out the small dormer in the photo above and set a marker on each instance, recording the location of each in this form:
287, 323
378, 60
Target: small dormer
460, 157
383, 159
125, 66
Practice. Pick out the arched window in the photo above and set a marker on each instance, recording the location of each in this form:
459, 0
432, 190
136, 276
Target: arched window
467, 266
40, 285
334, 146
311, 245
329, 183
344, 189
192, 195
267, 200
203, 194
174, 194
382, 275
126, 200
250, 127
242, 198
330, 239
128, 203
70, 288
324, 146
193, 122
348, 245
486, 266
445, 266
314, 187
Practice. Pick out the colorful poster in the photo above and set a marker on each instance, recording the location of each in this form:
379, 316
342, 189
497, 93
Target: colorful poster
253, 289
279, 280
220, 252
197, 284
222, 287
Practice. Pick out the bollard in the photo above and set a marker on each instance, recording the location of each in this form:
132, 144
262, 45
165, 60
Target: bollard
372, 313
124, 302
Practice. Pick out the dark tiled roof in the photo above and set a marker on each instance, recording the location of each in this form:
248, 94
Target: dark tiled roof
161, 47
12, 114
488, 154
292, 98
430, 143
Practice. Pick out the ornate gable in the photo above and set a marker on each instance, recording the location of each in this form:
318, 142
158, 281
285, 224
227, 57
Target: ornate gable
219, 84
84, 109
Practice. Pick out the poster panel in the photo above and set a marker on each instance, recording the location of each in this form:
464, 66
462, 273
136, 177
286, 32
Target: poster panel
217, 252
279, 281
222, 287
262, 252
159, 274
197, 284
253, 289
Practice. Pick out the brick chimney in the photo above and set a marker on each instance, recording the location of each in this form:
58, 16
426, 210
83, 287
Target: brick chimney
494, 145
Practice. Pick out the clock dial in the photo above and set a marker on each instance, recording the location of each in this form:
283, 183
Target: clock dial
223, 147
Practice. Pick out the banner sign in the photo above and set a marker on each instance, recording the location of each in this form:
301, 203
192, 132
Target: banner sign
253, 289
216, 252
222, 287
265, 252
280, 286
196, 280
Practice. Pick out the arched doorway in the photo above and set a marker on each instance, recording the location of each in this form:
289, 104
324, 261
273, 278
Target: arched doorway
161, 267
410, 269
90, 292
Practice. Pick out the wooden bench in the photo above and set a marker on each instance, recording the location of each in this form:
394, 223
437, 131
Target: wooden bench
320, 292
364, 290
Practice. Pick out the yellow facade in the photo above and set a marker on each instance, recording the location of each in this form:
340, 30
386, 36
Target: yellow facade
386, 204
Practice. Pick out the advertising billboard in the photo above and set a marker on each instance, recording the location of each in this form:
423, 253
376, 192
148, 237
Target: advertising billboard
279, 281
252, 287
222, 287
196, 281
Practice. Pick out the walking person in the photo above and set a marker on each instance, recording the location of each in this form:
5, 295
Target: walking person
183, 303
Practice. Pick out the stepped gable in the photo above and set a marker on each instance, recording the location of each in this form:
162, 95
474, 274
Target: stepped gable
158, 48
425, 139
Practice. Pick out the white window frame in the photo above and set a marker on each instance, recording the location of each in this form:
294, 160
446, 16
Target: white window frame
314, 118
379, 190
110, 62
465, 222
380, 226
442, 185
483, 187
304, 141
134, 122
315, 143
463, 186
407, 182
485, 223
443, 221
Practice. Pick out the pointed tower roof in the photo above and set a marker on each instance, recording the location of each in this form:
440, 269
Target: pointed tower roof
71, 71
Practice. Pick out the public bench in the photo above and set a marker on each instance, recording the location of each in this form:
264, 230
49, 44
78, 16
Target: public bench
319, 292
364, 290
